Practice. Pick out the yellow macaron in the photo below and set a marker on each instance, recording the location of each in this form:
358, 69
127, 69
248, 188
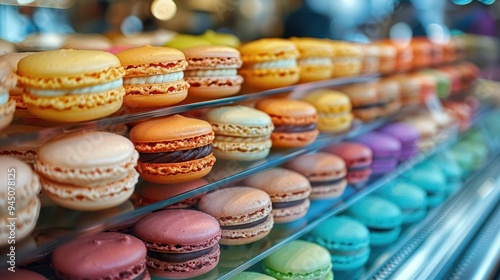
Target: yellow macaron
334, 109
347, 59
315, 59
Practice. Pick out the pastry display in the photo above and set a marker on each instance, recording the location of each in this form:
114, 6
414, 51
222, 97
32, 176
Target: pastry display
174, 149
289, 192
407, 135
386, 151
87, 171
269, 63
325, 171
154, 76
241, 133
244, 213
86, 86
430, 179
22, 184
294, 121
347, 240
382, 218
347, 59
212, 72
299, 260
409, 198
180, 243
334, 109
358, 159
118, 255
7, 105
315, 59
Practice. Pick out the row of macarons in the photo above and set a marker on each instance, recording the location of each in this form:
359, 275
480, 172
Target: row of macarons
57, 85
340, 243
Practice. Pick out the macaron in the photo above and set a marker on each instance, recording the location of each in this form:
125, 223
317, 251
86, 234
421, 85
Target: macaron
173, 149
249, 275
371, 58
289, 192
443, 82
212, 72
294, 121
269, 63
430, 179
299, 259
382, 218
388, 92
26, 150
409, 88
180, 243
6, 47
149, 193
404, 53
21, 274
87, 171
326, 173
105, 255
451, 171
334, 109
87, 42
222, 39
244, 213
407, 135
358, 159
16, 92
427, 129
409, 198
315, 59
154, 76
364, 99
387, 57
386, 151
7, 105
347, 59
347, 240
241, 133
422, 52
20, 187
71, 85
184, 41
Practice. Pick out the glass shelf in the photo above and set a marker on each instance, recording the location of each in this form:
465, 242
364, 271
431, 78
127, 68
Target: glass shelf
49, 130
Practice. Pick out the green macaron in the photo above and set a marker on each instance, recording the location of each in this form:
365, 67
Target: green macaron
248, 275
299, 260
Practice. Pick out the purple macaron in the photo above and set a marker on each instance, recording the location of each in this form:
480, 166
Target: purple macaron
385, 148
407, 135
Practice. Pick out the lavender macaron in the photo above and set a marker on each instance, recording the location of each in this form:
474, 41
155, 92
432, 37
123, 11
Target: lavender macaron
407, 135
386, 151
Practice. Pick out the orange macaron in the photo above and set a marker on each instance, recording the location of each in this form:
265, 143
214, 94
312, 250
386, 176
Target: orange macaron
212, 72
154, 76
295, 121
174, 149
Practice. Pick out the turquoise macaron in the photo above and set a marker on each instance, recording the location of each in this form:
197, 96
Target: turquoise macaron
409, 198
429, 177
464, 159
347, 240
249, 275
451, 171
299, 260
382, 218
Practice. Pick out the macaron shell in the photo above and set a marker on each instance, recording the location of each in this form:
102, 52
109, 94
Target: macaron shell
294, 140
290, 214
163, 95
211, 51
25, 223
268, 49
238, 116
248, 235
281, 184
248, 275
149, 54
377, 212
353, 154
270, 78
318, 166
282, 107
21, 274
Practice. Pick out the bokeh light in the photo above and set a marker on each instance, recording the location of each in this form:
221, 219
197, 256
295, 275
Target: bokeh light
401, 33
438, 34
131, 25
163, 9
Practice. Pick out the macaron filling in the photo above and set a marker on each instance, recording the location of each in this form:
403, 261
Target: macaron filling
247, 225
212, 73
326, 183
294, 128
76, 91
350, 252
280, 63
176, 156
4, 98
358, 168
374, 229
286, 204
314, 61
179, 257
154, 79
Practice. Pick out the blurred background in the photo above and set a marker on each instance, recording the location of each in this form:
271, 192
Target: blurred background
355, 20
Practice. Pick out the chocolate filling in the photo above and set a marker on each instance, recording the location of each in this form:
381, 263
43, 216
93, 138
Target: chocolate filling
279, 205
358, 168
380, 230
325, 183
294, 128
177, 156
368, 106
178, 257
248, 225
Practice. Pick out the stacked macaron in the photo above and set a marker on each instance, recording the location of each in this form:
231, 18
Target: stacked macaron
154, 76
325, 171
357, 157
241, 133
365, 101
347, 59
407, 135
315, 59
71, 85
18, 200
386, 151
173, 149
294, 121
98, 176
334, 109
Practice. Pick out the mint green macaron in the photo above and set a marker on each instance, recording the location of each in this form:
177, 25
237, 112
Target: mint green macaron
248, 275
299, 260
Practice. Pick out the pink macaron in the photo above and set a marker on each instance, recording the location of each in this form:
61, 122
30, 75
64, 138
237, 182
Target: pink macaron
149, 193
358, 158
181, 243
